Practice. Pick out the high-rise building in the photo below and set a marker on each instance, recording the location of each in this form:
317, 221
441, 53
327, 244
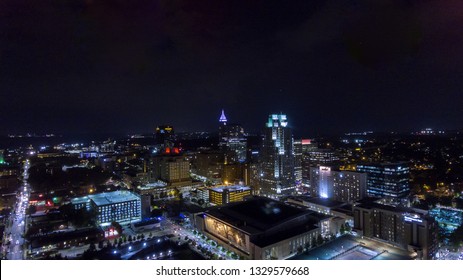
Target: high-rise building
232, 140
387, 179
277, 157
171, 167
297, 162
345, 186
410, 229
322, 157
208, 164
307, 145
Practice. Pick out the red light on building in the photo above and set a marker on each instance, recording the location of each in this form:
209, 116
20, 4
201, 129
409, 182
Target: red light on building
306, 141
167, 150
176, 151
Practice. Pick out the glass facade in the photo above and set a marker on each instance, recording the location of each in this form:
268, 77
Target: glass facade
386, 180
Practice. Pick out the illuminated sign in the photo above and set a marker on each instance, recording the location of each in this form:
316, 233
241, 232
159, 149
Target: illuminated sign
413, 218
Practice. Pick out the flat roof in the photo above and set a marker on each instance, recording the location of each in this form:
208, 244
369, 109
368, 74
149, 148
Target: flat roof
81, 199
330, 203
231, 188
259, 214
264, 240
152, 186
112, 197
327, 202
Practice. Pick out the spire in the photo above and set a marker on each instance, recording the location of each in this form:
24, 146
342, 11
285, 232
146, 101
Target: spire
223, 119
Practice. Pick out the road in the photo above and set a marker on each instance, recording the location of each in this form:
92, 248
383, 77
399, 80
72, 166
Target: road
182, 231
17, 223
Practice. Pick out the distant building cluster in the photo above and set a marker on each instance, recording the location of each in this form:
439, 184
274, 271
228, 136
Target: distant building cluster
264, 195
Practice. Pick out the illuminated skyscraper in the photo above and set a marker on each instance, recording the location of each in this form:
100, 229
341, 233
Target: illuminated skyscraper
277, 160
232, 140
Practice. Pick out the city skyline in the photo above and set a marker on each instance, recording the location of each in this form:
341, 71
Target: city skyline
127, 67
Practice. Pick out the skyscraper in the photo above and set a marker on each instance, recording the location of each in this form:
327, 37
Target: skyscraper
232, 140
387, 179
277, 157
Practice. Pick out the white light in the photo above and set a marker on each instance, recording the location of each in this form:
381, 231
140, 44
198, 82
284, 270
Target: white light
130, 247
144, 244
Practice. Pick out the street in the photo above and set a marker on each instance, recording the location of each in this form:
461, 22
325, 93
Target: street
17, 222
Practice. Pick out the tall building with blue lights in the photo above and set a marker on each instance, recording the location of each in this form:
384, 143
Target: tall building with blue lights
387, 179
277, 158
232, 139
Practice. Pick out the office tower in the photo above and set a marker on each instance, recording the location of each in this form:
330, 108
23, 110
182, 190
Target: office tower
407, 228
171, 167
298, 162
322, 157
345, 186
232, 140
277, 157
208, 164
387, 179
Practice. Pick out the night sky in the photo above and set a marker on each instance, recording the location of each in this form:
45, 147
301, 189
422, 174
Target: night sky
126, 66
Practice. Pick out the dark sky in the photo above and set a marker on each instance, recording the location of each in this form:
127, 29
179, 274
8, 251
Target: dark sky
70, 66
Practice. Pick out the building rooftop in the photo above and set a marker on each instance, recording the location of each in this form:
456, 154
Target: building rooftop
257, 214
330, 203
112, 197
158, 184
266, 240
231, 188
81, 199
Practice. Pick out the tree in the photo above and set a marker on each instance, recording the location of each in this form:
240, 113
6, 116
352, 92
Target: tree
456, 238
343, 229
314, 241
320, 240
130, 238
348, 227
201, 202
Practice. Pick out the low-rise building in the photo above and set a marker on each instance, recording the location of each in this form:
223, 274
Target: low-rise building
226, 194
260, 228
